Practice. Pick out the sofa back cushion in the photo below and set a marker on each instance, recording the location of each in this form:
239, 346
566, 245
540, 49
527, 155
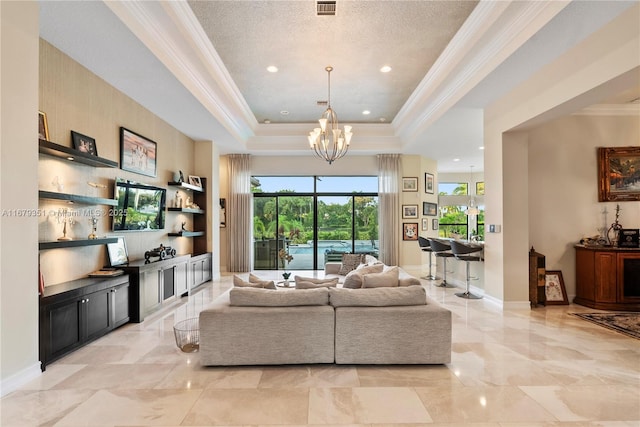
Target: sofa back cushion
256, 297
304, 284
386, 279
325, 281
350, 262
253, 283
378, 297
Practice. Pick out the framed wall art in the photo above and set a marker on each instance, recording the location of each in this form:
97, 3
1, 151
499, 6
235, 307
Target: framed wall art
43, 126
84, 143
429, 209
434, 223
428, 183
618, 174
410, 231
195, 181
555, 292
410, 184
410, 211
137, 153
425, 224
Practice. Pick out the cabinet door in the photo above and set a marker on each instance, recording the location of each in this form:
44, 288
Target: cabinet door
181, 282
605, 276
206, 269
97, 314
629, 277
149, 291
64, 328
197, 273
120, 304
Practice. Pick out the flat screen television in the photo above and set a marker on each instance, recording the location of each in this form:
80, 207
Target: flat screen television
141, 207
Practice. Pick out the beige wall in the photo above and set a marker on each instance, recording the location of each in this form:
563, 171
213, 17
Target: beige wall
18, 192
563, 185
76, 99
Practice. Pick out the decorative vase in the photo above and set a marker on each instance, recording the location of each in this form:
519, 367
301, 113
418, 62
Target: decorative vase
286, 283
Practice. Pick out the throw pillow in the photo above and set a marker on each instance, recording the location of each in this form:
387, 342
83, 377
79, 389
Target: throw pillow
314, 280
349, 263
303, 284
385, 279
370, 259
353, 280
266, 284
370, 268
255, 279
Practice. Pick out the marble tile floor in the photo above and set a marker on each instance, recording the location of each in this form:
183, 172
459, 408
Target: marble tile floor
538, 367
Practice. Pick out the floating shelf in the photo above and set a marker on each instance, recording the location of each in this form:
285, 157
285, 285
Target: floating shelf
185, 186
76, 243
186, 210
187, 234
85, 200
56, 150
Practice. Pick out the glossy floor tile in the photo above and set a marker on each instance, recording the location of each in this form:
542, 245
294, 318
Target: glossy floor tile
530, 368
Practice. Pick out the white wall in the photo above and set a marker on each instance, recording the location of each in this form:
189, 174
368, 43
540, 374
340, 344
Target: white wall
563, 185
18, 191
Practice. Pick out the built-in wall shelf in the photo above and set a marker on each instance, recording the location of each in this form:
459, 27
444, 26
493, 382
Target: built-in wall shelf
72, 155
187, 234
186, 210
76, 243
185, 186
73, 198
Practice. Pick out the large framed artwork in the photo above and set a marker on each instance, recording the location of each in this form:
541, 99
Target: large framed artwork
137, 153
618, 174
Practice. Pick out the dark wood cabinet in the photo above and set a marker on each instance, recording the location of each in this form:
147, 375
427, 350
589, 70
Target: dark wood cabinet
608, 278
77, 312
155, 283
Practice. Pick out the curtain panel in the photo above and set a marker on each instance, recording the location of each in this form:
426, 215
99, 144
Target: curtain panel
389, 168
239, 213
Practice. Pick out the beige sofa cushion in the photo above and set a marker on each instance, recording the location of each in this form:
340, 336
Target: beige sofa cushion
379, 297
388, 278
350, 262
266, 284
315, 280
304, 284
353, 279
256, 297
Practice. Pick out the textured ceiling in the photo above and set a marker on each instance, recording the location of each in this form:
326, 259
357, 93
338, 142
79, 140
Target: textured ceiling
362, 37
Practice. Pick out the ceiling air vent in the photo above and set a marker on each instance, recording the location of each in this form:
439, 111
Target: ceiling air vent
326, 8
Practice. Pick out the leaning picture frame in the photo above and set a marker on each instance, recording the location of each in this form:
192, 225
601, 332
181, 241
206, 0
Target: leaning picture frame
43, 126
117, 252
410, 184
137, 153
195, 181
84, 143
409, 211
617, 174
554, 289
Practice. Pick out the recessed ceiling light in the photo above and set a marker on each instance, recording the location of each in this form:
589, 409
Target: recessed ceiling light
481, 148
456, 160
267, 121
272, 69
382, 119
366, 112
284, 112
385, 69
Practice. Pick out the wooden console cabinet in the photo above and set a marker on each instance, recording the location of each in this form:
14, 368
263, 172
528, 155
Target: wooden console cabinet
154, 283
608, 278
75, 313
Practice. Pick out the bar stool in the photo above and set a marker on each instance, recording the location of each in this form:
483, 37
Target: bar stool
425, 246
461, 252
442, 250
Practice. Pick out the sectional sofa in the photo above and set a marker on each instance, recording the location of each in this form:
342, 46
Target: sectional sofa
378, 325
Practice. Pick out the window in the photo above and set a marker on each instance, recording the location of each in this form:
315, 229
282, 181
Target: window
316, 218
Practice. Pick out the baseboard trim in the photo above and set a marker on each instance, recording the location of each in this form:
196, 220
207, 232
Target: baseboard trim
17, 380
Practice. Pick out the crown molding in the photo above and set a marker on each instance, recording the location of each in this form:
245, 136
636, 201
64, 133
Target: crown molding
487, 38
172, 33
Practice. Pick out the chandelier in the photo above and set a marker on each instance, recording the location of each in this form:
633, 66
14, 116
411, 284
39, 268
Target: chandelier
328, 141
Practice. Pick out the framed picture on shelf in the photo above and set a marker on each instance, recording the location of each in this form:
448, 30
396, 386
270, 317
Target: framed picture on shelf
555, 292
428, 183
617, 169
429, 209
410, 184
137, 153
410, 231
195, 181
434, 224
43, 126
84, 143
425, 224
410, 211
118, 254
